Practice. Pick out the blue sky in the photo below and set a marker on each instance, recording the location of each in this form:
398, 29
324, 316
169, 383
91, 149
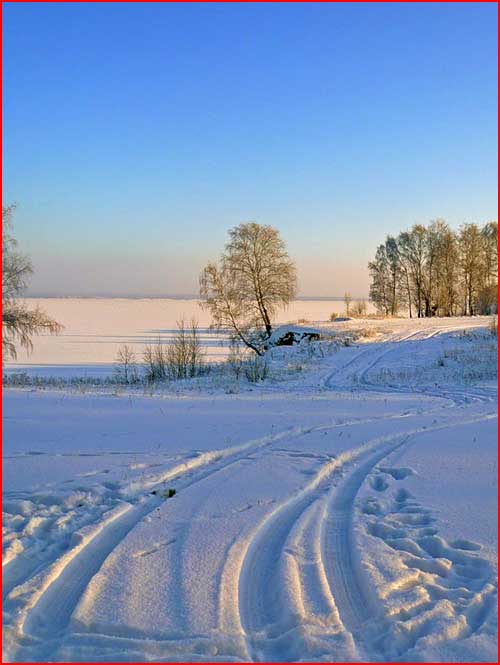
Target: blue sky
136, 134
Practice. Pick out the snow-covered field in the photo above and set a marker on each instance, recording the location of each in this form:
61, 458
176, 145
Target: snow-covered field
94, 329
347, 513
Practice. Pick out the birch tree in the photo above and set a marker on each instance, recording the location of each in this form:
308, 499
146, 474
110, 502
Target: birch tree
253, 279
437, 270
471, 264
379, 288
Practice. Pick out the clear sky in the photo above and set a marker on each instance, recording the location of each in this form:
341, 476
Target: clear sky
135, 135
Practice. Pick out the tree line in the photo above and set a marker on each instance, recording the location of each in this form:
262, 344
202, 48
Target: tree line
428, 270
435, 271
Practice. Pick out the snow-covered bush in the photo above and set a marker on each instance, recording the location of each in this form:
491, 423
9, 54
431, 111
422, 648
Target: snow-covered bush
236, 359
184, 356
181, 358
256, 369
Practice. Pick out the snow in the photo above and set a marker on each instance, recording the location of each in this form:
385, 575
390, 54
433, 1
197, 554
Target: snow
297, 331
343, 512
94, 329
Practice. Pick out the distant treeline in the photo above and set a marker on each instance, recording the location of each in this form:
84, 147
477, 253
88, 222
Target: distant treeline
435, 271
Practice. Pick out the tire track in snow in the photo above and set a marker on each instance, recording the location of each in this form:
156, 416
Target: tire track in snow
85, 563
382, 349
267, 614
202, 466
50, 611
354, 605
458, 397
58, 588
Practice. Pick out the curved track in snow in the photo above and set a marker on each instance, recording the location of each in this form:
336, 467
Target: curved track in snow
291, 585
300, 564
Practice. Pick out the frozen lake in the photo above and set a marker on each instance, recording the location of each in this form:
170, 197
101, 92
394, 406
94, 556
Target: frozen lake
94, 329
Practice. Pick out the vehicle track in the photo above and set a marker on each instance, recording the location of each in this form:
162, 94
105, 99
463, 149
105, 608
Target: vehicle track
457, 396
306, 541
55, 578
271, 617
61, 584
269, 614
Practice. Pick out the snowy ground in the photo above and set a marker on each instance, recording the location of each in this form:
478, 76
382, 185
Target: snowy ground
94, 329
347, 513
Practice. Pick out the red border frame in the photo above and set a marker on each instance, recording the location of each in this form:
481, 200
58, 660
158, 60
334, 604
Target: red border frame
2, 2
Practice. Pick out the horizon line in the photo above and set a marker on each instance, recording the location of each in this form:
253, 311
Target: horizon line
176, 296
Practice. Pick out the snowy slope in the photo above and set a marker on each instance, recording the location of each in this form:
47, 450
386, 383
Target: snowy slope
348, 513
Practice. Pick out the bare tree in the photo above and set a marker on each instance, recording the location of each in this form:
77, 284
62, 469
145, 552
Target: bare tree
471, 264
431, 267
447, 273
19, 323
405, 270
379, 288
125, 367
347, 302
254, 278
394, 267
414, 248
489, 233
437, 270
487, 298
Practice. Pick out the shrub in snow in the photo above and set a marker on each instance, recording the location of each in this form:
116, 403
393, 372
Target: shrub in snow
236, 359
155, 359
256, 369
184, 357
181, 358
358, 309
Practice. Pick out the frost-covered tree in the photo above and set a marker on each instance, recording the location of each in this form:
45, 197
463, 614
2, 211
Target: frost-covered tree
253, 279
19, 323
437, 271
